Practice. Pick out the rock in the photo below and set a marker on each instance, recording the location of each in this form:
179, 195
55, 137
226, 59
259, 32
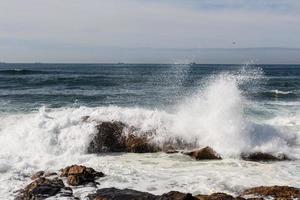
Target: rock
42, 174
79, 175
172, 151
259, 156
206, 153
277, 192
217, 196
174, 195
120, 194
111, 138
37, 175
42, 188
139, 144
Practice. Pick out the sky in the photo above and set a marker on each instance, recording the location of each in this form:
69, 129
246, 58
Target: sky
150, 31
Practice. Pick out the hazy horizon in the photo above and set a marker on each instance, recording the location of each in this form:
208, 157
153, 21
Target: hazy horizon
144, 31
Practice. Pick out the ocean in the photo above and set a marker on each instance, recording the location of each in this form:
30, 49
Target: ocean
231, 108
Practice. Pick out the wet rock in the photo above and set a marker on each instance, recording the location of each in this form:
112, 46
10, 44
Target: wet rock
174, 195
277, 192
43, 188
110, 137
206, 153
171, 151
139, 144
259, 156
120, 194
218, 196
42, 174
79, 175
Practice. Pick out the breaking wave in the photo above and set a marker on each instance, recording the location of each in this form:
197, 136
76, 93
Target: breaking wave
214, 115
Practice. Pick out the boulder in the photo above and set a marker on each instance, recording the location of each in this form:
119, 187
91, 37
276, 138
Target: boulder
277, 192
206, 153
120, 194
259, 156
110, 137
79, 175
42, 188
174, 195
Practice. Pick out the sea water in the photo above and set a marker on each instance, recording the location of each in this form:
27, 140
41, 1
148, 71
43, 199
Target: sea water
231, 108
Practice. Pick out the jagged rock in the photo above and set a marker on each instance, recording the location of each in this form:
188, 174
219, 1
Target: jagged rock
277, 192
174, 195
42, 188
206, 153
110, 137
118, 194
79, 175
259, 156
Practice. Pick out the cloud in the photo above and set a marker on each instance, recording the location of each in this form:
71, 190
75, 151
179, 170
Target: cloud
98, 24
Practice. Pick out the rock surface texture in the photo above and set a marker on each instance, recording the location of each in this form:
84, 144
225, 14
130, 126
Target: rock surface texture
111, 137
80, 175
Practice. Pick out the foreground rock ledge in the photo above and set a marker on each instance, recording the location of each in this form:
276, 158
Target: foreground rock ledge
42, 188
277, 192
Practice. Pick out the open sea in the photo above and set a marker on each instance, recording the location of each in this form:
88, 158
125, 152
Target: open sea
232, 108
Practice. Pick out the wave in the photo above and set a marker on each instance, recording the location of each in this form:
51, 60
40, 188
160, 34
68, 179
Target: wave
23, 72
213, 116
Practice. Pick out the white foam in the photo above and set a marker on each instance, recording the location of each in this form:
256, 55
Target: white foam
214, 116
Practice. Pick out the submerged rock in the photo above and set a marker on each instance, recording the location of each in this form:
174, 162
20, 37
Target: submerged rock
79, 175
259, 156
118, 194
277, 192
110, 137
206, 153
43, 188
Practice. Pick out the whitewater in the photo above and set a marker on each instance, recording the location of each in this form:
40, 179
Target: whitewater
219, 110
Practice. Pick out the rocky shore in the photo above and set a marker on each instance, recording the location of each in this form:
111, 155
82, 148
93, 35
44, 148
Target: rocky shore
59, 185
119, 137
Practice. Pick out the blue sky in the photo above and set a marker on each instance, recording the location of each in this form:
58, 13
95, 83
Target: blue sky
80, 30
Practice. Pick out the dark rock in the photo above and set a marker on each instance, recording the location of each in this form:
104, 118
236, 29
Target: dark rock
118, 194
217, 196
206, 153
79, 175
42, 188
171, 151
277, 192
111, 138
174, 195
259, 156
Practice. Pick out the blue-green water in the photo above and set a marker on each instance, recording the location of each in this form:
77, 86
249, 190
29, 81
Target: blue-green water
25, 87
